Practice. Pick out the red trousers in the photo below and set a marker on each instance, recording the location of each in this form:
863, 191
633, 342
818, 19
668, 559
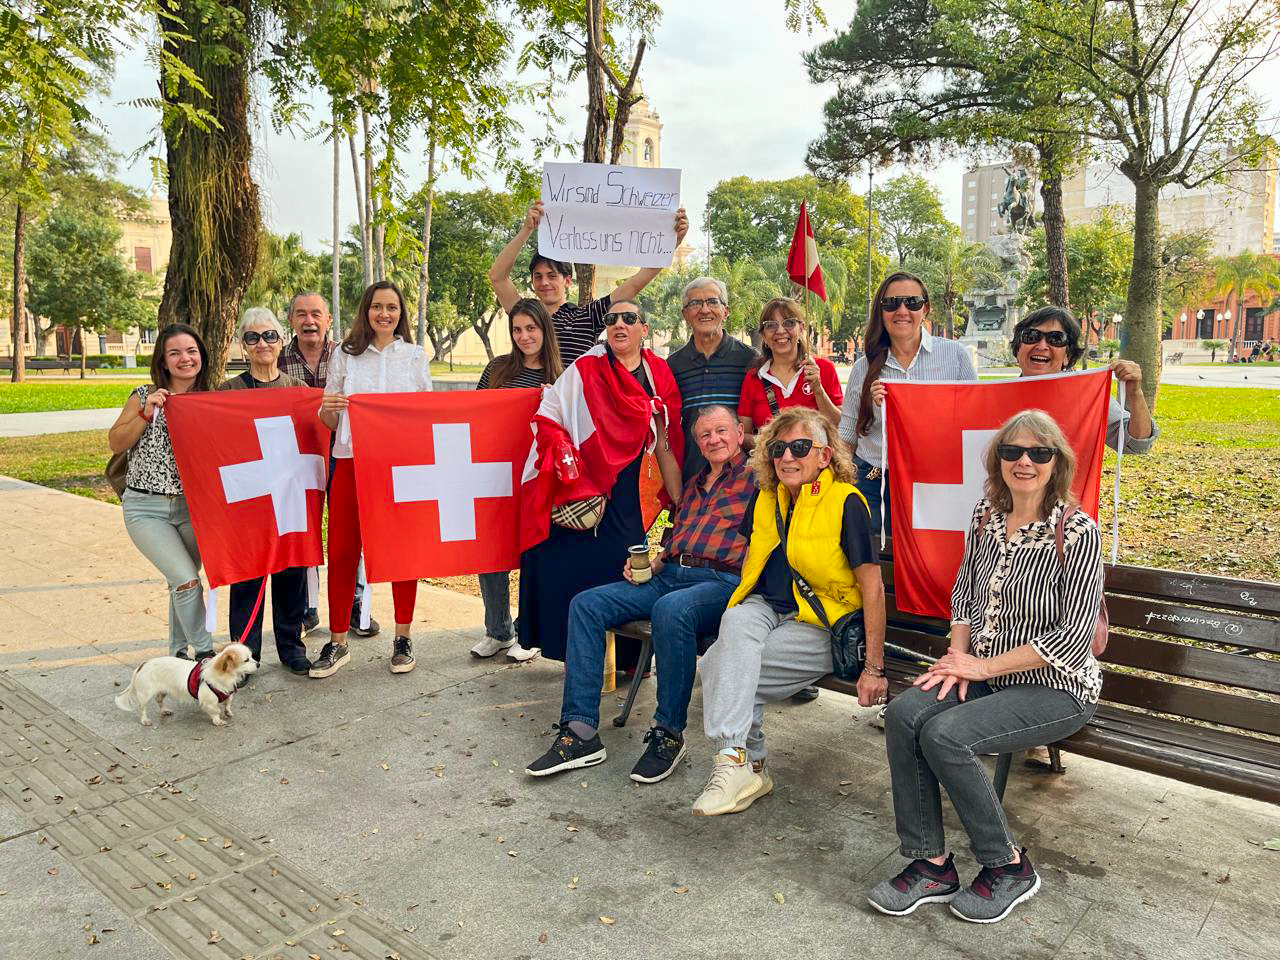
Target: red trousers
344, 553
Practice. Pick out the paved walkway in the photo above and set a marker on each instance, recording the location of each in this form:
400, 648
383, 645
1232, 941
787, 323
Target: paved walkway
388, 816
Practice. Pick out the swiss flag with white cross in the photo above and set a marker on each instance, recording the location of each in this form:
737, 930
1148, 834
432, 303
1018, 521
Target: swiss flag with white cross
438, 480
254, 465
938, 434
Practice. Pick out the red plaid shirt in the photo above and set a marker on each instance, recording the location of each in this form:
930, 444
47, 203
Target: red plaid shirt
706, 522
293, 363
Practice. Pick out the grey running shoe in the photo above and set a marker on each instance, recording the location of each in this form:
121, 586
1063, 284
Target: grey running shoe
921, 882
402, 655
995, 891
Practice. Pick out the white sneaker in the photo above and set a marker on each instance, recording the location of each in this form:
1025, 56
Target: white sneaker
489, 646
519, 654
734, 785
877, 721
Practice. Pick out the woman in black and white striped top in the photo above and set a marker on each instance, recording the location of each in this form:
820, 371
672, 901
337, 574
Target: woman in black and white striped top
1019, 672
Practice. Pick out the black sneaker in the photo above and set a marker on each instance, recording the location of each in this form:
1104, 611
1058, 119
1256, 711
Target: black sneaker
402, 655
301, 666
661, 757
921, 882
995, 891
331, 660
204, 654
569, 752
310, 620
807, 695
370, 631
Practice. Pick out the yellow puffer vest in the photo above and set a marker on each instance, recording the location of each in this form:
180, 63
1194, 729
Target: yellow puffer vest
813, 546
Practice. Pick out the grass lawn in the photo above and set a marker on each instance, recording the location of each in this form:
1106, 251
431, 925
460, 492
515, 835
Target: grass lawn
1206, 499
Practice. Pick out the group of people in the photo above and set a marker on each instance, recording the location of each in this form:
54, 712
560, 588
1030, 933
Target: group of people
771, 473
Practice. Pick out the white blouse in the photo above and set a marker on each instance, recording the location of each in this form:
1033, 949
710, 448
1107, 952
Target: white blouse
399, 368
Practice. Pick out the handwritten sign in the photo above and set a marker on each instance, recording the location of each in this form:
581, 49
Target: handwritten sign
598, 213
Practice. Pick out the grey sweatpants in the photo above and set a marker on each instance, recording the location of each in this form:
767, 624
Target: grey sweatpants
759, 657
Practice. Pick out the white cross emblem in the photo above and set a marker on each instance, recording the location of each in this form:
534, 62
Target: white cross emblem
949, 506
284, 474
453, 480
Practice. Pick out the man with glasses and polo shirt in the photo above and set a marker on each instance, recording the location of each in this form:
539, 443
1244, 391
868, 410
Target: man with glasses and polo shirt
710, 368
578, 326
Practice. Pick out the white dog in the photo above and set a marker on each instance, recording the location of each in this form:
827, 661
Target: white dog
209, 682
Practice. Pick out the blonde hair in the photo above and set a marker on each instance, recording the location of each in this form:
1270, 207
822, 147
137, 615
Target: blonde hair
819, 431
1046, 430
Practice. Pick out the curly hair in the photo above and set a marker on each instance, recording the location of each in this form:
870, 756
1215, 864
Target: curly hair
818, 430
1046, 430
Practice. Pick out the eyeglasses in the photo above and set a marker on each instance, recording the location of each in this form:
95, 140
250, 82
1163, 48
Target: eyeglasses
1055, 338
890, 304
1013, 453
799, 448
771, 326
708, 302
630, 318
251, 337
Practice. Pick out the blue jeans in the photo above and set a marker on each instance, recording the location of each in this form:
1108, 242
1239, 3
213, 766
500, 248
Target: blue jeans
495, 590
870, 489
682, 603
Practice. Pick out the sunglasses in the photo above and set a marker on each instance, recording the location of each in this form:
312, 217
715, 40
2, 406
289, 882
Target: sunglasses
1012, 452
630, 318
251, 337
771, 326
890, 304
1055, 338
799, 448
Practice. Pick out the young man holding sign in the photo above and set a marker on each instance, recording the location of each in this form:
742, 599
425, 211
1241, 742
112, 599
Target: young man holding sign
577, 326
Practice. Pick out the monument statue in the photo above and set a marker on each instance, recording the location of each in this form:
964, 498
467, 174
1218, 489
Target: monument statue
1017, 207
992, 313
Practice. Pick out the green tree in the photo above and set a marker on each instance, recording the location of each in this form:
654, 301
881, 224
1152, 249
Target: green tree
1168, 84
78, 280
52, 53
284, 268
951, 266
908, 212
1238, 276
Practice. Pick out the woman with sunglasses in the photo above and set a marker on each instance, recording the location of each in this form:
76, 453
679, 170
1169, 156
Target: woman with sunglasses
785, 375
807, 521
622, 400
534, 361
898, 348
262, 338
1047, 341
1019, 672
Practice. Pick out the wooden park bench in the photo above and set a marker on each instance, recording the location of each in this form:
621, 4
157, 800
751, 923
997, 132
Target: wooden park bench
41, 364
1191, 686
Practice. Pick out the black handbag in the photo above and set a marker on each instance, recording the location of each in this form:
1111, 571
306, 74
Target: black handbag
848, 635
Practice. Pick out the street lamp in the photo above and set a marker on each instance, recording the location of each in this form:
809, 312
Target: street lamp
1116, 320
1226, 323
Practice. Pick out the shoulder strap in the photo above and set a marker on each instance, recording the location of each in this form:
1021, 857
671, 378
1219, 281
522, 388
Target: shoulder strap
771, 394
802, 584
1060, 532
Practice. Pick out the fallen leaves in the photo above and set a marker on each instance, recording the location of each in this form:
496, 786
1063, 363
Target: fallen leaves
1272, 844
608, 921
779, 898
682, 890
214, 936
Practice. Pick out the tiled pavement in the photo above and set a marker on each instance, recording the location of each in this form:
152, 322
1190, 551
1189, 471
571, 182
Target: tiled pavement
374, 816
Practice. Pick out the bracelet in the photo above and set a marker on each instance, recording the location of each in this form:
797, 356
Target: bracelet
873, 670
142, 413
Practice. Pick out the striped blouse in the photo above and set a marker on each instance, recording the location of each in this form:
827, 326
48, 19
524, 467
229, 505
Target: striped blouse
1016, 591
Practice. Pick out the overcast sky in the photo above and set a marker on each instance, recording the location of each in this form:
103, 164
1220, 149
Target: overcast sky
725, 76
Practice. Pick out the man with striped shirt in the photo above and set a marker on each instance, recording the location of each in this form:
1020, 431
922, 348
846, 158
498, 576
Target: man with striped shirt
578, 326
710, 368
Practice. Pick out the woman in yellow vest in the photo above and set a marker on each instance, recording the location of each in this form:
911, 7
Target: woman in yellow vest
772, 642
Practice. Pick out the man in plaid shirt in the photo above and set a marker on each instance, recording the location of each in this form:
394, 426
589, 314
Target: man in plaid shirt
692, 581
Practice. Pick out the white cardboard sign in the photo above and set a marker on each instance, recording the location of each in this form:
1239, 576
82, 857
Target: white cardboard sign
604, 214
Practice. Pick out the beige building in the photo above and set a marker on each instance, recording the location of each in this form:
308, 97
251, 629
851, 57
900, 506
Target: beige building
642, 148
1240, 213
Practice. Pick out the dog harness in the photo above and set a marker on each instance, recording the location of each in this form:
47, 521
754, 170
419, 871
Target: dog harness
195, 678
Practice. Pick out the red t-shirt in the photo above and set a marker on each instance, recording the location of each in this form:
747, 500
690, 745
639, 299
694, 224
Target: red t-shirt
754, 403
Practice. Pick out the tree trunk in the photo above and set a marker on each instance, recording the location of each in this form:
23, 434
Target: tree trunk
1055, 239
1235, 323
594, 142
481, 327
1140, 336
19, 293
336, 295
362, 208
213, 201
370, 204
424, 275
84, 353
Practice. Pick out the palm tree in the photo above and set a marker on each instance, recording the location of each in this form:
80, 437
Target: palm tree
952, 268
1239, 275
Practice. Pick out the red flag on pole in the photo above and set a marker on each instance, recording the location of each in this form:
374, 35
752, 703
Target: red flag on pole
253, 466
802, 263
937, 435
438, 480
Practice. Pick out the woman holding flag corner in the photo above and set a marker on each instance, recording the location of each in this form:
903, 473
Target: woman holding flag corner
378, 356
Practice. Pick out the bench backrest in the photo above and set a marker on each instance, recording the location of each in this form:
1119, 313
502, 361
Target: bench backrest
1189, 645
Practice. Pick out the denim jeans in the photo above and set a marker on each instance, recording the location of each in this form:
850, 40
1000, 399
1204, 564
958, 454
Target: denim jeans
160, 527
870, 489
682, 603
933, 744
495, 590
288, 604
